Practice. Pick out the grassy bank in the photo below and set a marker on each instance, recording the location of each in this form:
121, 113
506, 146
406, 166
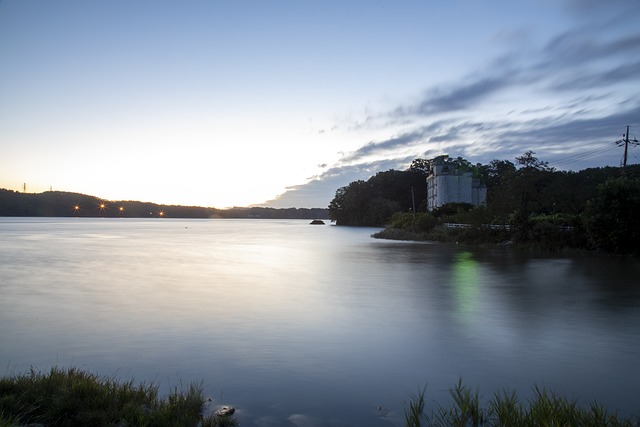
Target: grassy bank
505, 409
543, 233
75, 398
71, 397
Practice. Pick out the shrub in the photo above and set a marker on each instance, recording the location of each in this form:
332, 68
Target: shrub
77, 398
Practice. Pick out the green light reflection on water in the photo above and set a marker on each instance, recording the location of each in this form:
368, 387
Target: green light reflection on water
465, 282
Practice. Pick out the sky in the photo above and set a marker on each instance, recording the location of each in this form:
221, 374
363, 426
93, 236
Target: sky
224, 103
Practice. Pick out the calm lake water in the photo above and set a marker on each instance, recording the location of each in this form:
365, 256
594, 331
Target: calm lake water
304, 325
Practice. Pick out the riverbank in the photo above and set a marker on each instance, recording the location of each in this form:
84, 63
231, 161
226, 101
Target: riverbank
540, 235
505, 409
72, 397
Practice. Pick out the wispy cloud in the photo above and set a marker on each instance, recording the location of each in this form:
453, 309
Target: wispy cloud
462, 97
324, 185
392, 145
571, 94
586, 79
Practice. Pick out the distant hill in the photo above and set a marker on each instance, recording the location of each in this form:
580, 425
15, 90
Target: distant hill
66, 204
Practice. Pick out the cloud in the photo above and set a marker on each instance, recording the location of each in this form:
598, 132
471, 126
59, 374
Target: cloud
576, 48
390, 145
620, 73
567, 142
592, 56
591, 64
597, 10
567, 99
577, 130
321, 189
461, 97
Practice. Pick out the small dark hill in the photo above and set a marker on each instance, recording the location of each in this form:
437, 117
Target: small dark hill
66, 204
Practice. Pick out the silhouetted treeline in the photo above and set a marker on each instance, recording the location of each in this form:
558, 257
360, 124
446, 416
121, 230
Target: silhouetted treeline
66, 204
372, 202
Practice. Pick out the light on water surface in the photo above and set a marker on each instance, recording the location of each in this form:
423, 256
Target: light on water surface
466, 282
289, 322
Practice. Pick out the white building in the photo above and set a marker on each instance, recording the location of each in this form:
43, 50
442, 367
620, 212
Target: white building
447, 185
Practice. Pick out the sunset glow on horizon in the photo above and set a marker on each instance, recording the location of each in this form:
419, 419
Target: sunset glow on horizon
223, 104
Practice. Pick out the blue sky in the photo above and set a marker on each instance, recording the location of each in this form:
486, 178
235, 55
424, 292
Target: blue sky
279, 103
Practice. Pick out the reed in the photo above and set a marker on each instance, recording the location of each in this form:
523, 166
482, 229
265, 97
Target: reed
465, 411
414, 415
72, 397
504, 409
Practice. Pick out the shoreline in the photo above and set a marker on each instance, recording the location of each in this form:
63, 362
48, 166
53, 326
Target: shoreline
82, 398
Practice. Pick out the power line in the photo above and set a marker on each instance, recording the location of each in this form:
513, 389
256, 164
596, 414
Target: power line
582, 155
601, 149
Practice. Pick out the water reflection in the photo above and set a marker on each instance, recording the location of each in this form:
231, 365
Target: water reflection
283, 319
465, 282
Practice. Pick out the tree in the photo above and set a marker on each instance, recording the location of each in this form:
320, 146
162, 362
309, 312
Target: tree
529, 161
374, 201
496, 171
462, 165
611, 216
346, 208
421, 166
528, 184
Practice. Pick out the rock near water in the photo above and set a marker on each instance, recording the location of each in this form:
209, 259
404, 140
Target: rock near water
224, 411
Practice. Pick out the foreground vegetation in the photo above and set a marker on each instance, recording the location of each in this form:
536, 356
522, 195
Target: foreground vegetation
505, 409
72, 397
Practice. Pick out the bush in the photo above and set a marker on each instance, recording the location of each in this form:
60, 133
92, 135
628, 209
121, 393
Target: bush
421, 222
611, 216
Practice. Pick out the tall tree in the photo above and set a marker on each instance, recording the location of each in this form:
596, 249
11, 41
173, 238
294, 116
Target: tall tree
528, 184
421, 166
374, 201
530, 162
347, 207
611, 217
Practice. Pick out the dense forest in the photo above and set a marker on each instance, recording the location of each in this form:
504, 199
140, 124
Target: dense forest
60, 204
528, 203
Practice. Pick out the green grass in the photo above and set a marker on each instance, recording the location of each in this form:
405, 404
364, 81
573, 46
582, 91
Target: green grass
71, 397
505, 410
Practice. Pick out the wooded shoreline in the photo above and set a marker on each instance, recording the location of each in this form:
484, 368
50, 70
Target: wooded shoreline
68, 204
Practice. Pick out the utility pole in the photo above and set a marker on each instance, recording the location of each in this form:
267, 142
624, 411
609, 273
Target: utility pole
626, 142
413, 201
